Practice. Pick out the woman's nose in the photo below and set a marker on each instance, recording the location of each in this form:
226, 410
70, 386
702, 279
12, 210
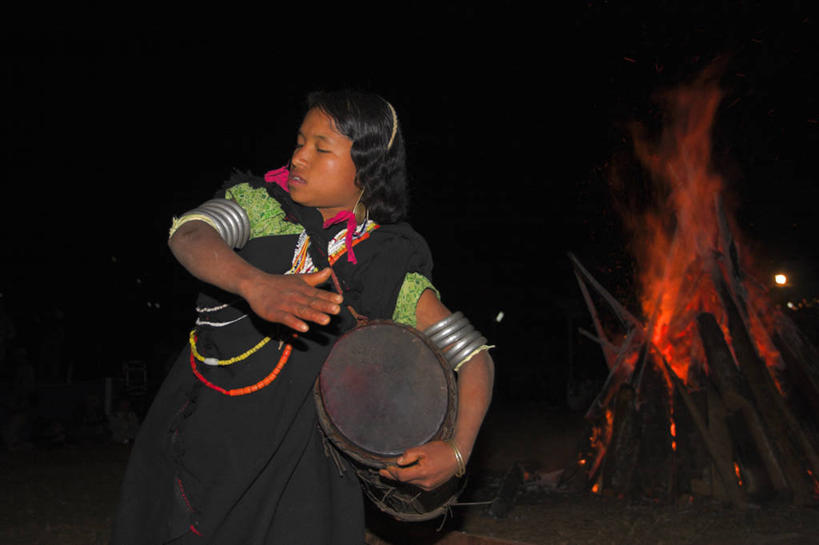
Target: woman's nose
299, 157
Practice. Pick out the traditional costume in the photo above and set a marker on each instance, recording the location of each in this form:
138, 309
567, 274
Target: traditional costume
230, 451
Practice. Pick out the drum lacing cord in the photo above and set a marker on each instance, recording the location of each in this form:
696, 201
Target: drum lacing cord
359, 318
331, 452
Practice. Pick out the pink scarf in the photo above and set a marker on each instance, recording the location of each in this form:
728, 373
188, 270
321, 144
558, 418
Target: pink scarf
279, 177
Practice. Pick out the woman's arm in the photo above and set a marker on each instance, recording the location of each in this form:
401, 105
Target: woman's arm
286, 299
431, 465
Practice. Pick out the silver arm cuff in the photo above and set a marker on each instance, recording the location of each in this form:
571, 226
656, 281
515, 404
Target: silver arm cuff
456, 338
228, 218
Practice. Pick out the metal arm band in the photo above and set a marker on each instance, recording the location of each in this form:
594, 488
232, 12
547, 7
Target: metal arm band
228, 218
456, 338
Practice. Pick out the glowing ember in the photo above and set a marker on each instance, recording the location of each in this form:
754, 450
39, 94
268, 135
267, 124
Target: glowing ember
738, 474
815, 482
673, 432
601, 435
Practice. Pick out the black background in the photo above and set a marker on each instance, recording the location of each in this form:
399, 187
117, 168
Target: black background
114, 122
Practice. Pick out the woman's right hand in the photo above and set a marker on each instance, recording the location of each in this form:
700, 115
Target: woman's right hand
285, 299
292, 299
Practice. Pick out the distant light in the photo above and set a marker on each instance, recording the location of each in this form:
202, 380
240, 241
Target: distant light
499, 317
791, 306
781, 279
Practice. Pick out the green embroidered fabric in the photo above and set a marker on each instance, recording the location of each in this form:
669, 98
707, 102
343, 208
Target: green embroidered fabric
265, 213
411, 290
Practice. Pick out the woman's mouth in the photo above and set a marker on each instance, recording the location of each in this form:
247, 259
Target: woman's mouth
295, 179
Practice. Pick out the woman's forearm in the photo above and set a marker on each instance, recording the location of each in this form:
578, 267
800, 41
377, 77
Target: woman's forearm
199, 248
291, 300
475, 380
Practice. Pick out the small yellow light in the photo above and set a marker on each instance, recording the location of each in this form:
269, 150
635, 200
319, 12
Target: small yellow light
780, 279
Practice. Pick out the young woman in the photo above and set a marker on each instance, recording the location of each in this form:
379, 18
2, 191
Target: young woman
230, 451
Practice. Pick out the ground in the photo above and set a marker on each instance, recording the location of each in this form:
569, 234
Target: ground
67, 494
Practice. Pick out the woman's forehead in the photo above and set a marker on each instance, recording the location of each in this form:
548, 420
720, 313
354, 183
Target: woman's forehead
318, 124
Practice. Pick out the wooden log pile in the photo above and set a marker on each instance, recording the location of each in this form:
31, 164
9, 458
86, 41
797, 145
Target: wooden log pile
734, 429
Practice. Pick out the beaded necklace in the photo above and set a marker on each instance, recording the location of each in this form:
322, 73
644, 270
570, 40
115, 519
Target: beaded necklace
247, 389
301, 263
231, 361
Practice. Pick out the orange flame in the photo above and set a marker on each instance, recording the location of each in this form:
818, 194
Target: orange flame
681, 229
676, 238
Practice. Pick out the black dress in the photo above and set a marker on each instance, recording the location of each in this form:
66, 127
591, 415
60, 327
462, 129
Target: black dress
252, 469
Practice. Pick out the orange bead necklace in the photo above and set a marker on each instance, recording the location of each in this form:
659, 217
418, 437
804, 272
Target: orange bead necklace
247, 389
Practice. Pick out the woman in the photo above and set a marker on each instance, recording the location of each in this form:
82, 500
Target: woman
230, 451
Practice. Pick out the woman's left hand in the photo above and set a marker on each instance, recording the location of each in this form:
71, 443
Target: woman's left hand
427, 467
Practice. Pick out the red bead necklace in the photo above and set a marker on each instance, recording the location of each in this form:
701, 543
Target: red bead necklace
287, 349
247, 389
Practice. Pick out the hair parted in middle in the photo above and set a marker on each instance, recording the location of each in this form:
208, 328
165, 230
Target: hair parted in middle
378, 148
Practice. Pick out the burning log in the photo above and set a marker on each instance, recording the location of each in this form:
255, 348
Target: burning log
801, 364
620, 373
639, 448
718, 451
656, 478
753, 447
624, 446
718, 427
796, 455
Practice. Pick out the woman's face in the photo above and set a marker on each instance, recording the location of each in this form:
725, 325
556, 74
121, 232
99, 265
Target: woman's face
322, 173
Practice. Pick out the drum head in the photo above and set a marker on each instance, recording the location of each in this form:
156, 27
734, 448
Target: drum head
383, 389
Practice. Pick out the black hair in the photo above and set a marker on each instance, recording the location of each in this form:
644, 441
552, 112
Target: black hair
381, 171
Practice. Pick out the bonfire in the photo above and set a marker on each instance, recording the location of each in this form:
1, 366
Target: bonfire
712, 390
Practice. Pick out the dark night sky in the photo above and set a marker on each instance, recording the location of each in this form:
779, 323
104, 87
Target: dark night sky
510, 118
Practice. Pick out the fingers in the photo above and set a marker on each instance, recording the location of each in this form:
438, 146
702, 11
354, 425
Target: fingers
293, 300
427, 467
294, 313
416, 475
291, 321
411, 456
319, 278
400, 472
410, 474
